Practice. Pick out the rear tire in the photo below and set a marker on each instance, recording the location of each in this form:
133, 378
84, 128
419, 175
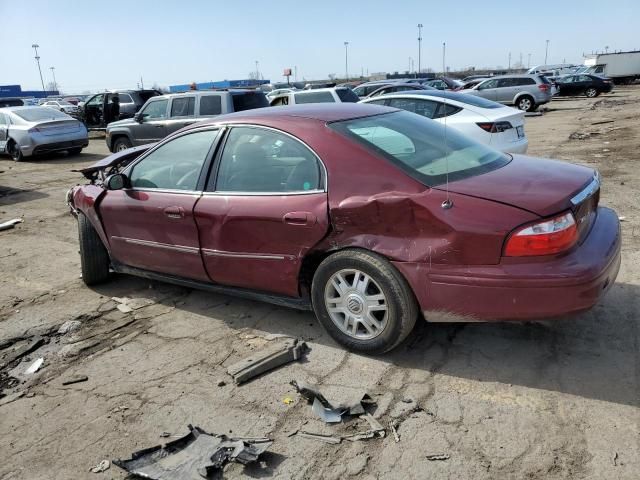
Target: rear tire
94, 258
121, 143
15, 152
526, 103
365, 280
591, 92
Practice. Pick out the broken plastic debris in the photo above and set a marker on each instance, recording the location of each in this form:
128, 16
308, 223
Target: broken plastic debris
35, 366
196, 454
272, 356
438, 456
10, 224
328, 415
101, 467
336, 400
287, 400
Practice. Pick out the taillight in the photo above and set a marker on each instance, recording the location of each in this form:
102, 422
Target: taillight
543, 87
543, 238
494, 127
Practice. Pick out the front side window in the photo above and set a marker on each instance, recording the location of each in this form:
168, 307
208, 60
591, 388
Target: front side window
488, 84
248, 101
97, 100
585, 78
259, 160
210, 105
175, 165
347, 95
416, 145
155, 110
314, 97
183, 106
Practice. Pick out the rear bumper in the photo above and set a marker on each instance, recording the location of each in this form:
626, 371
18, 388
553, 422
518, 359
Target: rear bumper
524, 290
38, 148
519, 146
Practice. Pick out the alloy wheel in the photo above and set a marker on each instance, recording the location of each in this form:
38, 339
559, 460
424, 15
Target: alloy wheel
524, 104
356, 304
591, 92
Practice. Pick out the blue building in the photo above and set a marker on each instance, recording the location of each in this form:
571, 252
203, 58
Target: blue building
16, 91
220, 84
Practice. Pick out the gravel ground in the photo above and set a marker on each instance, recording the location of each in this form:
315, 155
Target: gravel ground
545, 400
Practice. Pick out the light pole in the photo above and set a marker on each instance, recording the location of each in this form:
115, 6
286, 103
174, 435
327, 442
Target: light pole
35, 46
444, 51
509, 68
546, 52
257, 71
419, 47
346, 61
53, 72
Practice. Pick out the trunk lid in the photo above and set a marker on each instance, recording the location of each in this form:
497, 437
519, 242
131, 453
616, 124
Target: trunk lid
59, 127
541, 186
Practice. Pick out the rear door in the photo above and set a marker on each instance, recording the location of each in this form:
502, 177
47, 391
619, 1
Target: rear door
263, 212
151, 224
181, 113
4, 132
153, 119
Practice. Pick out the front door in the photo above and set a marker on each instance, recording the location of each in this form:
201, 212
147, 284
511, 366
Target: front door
262, 214
94, 111
151, 224
152, 124
4, 132
488, 89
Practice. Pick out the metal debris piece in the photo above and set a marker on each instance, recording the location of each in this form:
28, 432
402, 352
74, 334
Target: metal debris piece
130, 304
327, 415
336, 399
35, 366
197, 454
394, 431
75, 379
101, 467
438, 456
323, 438
10, 224
272, 356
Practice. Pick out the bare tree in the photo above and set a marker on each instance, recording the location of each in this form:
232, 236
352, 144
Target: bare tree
52, 87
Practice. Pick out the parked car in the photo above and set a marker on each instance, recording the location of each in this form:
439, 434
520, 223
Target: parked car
103, 108
588, 85
163, 115
444, 83
321, 95
398, 87
359, 212
11, 102
474, 77
63, 106
30, 131
471, 83
279, 91
487, 122
365, 89
526, 92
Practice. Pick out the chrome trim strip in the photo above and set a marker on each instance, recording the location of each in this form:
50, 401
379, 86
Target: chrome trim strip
258, 194
587, 191
166, 246
218, 253
193, 193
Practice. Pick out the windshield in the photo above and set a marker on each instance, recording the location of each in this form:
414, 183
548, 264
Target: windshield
417, 145
248, 101
36, 114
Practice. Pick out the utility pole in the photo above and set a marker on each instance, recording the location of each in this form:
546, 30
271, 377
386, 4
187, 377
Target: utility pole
444, 51
53, 72
419, 47
346, 61
257, 71
35, 46
509, 67
546, 52
295, 71
529, 62
141, 83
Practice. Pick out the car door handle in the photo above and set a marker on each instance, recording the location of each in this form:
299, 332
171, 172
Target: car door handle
299, 218
174, 212
159, 126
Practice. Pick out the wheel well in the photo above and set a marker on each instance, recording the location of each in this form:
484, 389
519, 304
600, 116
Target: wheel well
116, 136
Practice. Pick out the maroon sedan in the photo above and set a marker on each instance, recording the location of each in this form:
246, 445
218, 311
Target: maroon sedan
368, 215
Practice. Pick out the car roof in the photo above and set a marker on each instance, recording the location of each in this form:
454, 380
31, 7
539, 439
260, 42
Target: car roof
313, 112
23, 107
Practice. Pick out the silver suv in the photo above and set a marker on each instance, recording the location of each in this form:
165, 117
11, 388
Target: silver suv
165, 114
526, 92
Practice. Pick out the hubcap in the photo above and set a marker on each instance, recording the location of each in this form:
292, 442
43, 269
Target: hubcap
525, 104
356, 304
121, 147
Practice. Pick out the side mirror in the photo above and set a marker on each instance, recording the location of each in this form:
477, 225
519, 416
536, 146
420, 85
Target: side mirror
138, 117
117, 181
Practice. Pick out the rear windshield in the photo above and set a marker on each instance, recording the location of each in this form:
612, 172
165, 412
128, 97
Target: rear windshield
544, 79
416, 145
249, 100
36, 114
147, 94
465, 98
347, 95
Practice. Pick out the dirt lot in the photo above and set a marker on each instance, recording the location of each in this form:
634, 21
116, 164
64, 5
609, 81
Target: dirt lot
539, 400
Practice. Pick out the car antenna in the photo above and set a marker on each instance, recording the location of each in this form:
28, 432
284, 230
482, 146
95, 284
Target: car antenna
448, 203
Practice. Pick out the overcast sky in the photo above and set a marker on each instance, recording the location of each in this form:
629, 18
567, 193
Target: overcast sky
97, 45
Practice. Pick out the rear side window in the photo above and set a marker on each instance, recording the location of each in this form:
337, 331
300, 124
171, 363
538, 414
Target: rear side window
518, 82
543, 79
314, 97
446, 110
426, 108
125, 98
249, 101
183, 107
210, 105
347, 95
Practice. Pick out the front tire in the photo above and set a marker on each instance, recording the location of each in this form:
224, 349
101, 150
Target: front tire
363, 302
591, 92
94, 258
121, 144
526, 103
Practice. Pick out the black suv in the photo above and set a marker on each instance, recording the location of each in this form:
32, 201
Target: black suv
104, 108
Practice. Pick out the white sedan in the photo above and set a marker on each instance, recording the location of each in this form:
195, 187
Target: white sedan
485, 121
